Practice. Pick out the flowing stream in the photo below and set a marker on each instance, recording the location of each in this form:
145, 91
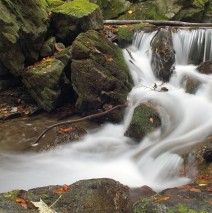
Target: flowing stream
106, 152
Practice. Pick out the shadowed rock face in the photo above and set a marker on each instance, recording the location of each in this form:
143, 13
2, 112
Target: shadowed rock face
163, 55
100, 75
23, 29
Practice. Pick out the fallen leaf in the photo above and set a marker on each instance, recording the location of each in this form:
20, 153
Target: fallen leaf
63, 189
184, 187
65, 130
151, 120
202, 184
161, 198
209, 189
108, 58
43, 207
130, 11
195, 190
22, 202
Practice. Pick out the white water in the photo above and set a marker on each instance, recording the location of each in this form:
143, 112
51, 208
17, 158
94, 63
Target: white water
106, 152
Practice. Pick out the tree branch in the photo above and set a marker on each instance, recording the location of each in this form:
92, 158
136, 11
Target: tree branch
76, 120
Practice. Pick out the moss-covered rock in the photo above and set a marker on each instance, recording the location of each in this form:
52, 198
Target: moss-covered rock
112, 9
100, 75
71, 18
23, 29
163, 54
145, 120
186, 199
46, 81
142, 11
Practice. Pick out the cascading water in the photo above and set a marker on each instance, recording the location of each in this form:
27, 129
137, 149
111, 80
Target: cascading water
106, 152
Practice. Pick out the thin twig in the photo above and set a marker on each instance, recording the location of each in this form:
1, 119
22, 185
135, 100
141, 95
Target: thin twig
77, 120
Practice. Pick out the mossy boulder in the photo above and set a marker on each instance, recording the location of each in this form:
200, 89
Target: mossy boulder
89, 196
48, 47
112, 9
142, 11
23, 29
163, 54
100, 75
71, 18
46, 81
145, 119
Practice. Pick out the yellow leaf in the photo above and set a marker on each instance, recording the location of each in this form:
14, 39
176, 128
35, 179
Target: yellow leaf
130, 11
202, 184
151, 120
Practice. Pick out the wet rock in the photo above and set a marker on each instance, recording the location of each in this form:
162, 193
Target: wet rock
99, 73
189, 198
163, 54
141, 193
207, 154
64, 135
205, 67
23, 29
90, 196
46, 81
191, 84
71, 18
145, 120
112, 9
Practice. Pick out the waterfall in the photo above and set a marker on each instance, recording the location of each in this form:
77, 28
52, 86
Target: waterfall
106, 152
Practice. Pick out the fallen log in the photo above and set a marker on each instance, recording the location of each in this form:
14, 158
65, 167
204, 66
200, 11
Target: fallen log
35, 143
157, 23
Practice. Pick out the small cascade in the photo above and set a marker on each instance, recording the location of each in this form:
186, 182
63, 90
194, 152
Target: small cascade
105, 152
192, 46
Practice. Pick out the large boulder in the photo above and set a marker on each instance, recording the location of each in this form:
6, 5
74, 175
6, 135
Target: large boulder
88, 196
46, 81
112, 9
145, 120
23, 29
71, 18
163, 54
100, 75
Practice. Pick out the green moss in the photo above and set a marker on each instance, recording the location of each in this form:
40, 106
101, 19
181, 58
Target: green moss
143, 10
11, 194
199, 3
182, 208
76, 8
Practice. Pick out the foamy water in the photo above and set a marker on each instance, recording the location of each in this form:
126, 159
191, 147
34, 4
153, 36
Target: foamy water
106, 152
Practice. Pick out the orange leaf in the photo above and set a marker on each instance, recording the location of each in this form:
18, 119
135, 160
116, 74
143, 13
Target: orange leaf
161, 198
63, 189
65, 130
209, 189
19, 200
195, 190
184, 187
210, 203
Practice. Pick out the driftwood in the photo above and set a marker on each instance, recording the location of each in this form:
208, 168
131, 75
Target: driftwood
157, 23
75, 121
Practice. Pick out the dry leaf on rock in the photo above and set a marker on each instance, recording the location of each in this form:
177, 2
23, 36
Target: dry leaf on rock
43, 207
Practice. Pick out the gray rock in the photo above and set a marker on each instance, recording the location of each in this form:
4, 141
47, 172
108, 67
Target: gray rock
205, 67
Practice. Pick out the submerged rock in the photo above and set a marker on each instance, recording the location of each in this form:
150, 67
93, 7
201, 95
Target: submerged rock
23, 29
163, 54
100, 75
145, 120
71, 18
191, 84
